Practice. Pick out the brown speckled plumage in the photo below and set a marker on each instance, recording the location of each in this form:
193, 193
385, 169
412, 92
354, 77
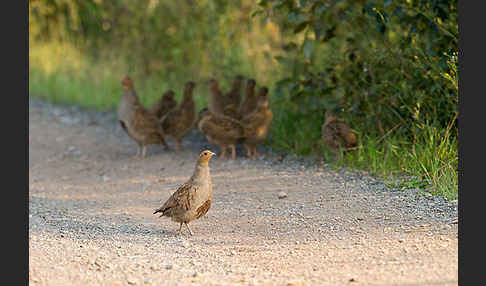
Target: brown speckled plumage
192, 199
216, 98
232, 99
221, 130
249, 102
202, 210
336, 134
257, 123
164, 104
180, 120
140, 125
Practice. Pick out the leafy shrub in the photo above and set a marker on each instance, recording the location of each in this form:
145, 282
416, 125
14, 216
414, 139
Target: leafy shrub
383, 64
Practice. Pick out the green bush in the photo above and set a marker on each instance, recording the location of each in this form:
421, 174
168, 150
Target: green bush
388, 68
381, 63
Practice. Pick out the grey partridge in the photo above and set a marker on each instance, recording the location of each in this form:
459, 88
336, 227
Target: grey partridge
192, 199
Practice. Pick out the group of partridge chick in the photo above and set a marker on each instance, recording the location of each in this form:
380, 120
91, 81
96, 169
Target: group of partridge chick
165, 118
231, 119
228, 120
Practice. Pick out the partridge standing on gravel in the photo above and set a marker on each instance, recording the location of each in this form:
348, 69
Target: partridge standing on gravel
221, 130
257, 123
140, 125
193, 199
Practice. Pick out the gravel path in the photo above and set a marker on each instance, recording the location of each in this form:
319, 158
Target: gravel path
91, 222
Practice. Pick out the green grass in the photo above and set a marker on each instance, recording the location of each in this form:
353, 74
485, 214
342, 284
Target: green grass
61, 87
60, 74
435, 159
430, 163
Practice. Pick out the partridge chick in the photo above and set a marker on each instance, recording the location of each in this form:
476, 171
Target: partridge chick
336, 134
221, 130
234, 95
216, 98
249, 101
202, 112
180, 120
164, 104
232, 99
193, 199
140, 125
257, 123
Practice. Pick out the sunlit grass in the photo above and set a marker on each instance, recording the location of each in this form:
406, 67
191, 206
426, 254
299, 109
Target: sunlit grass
80, 80
435, 158
60, 73
429, 164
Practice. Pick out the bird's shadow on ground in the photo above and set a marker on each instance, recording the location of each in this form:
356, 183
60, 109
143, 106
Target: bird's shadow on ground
56, 215
98, 230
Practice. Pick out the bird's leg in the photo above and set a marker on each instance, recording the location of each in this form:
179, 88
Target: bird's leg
139, 148
144, 151
248, 150
177, 146
164, 143
223, 151
188, 228
233, 152
255, 153
180, 229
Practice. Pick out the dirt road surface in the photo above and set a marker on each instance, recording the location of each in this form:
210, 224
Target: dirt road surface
91, 221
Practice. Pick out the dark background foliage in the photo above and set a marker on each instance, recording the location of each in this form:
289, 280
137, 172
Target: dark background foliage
387, 68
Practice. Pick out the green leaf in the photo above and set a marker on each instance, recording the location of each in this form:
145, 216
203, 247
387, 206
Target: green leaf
256, 13
284, 81
291, 17
307, 48
279, 5
262, 3
291, 46
301, 27
321, 9
280, 59
297, 18
369, 8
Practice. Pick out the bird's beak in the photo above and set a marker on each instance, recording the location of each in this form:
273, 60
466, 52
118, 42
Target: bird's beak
212, 153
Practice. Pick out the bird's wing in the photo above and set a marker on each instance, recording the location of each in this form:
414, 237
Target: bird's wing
181, 198
253, 122
203, 209
144, 120
157, 107
222, 126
